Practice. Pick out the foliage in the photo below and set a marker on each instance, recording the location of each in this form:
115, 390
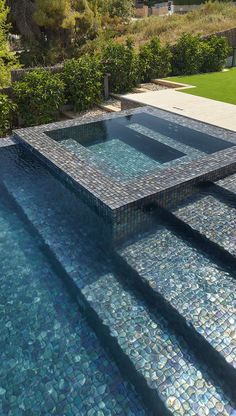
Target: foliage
8, 59
118, 8
187, 55
88, 23
6, 113
55, 14
215, 51
154, 60
121, 62
211, 17
39, 96
83, 81
192, 55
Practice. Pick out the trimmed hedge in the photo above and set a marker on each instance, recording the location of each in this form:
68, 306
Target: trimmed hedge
83, 80
154, 60
121, 61
7, 108
39, 96
192, 55
215, 51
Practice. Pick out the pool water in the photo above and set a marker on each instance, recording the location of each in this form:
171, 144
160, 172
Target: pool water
126, 147
52, 363
48, 235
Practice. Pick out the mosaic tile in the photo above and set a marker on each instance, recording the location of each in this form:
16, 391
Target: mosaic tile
73, 234
202, 293
51, 361
110, 194
7, 141
228, 183
211, 217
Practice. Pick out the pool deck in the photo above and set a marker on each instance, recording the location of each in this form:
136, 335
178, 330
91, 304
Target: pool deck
202, 109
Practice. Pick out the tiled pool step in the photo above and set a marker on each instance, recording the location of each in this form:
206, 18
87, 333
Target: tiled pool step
51, 361
212, 214
158, 362
228, 183
191, 291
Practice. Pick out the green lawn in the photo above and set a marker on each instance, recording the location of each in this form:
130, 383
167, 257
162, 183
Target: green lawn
220, 86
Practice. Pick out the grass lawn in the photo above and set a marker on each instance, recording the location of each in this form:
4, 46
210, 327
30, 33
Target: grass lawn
220, 86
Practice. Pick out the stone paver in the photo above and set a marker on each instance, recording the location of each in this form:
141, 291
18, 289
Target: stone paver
203, 109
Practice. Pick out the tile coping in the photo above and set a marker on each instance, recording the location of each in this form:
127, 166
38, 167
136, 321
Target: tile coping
113, 193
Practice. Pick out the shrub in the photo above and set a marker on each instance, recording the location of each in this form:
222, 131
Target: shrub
83, 81
215, 51
187, 55
154, 60
6, 113
39, 96
121, 62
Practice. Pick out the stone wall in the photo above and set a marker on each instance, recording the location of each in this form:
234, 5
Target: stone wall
17, 74
141, 12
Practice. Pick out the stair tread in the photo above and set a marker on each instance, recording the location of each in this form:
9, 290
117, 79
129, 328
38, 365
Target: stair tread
200, 291
157, 354
212, 218
229, 183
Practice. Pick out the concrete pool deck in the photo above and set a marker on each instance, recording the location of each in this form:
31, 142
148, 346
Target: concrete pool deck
202, 109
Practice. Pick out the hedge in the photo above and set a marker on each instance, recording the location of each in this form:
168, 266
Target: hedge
121, 62
154, 60
83, 80
192, 54
7, 108
39, 96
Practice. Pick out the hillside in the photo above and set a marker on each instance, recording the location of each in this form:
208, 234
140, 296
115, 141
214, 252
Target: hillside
210, 18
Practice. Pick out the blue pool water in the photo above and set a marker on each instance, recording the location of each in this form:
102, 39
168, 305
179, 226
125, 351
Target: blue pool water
137, 144
53, 363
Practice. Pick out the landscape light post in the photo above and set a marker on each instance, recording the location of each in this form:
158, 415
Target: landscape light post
234, 57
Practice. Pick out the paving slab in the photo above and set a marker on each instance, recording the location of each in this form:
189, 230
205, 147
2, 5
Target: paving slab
199, 108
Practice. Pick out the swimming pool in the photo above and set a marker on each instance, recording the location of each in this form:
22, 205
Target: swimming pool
137, 144
126, 159
64, 281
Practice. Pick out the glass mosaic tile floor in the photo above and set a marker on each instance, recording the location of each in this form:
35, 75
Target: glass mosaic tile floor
51, 361
72, 232
213, 216
197, 288
135, 145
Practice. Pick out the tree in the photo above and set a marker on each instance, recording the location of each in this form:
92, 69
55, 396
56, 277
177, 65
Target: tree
8, 59
21, 15
116, 8
88, 21
56, 17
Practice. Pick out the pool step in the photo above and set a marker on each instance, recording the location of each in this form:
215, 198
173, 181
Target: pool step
228, 183
213, 215
190, 290
159, 364
51, 361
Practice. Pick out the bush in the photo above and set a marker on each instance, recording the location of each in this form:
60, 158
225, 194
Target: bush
121, 62
187, 55
6, 113
215, 51
154, 60
83, 79
39, 96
